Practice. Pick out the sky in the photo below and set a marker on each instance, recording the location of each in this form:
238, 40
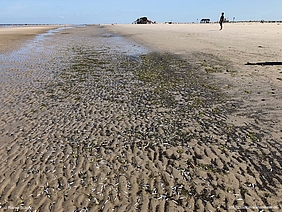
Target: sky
127, 11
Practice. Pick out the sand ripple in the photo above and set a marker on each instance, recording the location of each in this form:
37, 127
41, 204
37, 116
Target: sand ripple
86, 128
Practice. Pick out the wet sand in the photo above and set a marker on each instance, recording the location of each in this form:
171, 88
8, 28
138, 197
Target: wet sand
232, 57
88, 125
11, 38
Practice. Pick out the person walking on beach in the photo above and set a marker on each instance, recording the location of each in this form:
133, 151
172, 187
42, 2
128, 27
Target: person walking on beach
221, 20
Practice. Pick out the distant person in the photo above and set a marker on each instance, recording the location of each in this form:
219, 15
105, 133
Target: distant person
221, 20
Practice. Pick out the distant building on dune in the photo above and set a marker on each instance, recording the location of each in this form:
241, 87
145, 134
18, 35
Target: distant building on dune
205, 21
142, 20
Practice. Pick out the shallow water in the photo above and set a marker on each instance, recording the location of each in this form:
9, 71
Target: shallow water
39, 50
124, 46
28, 56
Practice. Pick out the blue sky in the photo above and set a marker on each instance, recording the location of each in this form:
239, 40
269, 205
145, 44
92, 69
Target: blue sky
126, 11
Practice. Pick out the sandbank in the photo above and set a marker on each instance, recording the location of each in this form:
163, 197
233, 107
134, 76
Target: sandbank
11, 38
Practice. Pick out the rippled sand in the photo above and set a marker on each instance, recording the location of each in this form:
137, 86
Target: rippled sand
89, 124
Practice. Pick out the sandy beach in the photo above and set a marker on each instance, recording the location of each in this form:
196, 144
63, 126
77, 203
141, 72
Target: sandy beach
142, 118
224, 54
11, 38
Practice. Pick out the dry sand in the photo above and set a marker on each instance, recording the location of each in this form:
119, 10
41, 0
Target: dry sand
85, 128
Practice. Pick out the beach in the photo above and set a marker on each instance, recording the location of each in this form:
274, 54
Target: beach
229, 55
11, 38
142, 118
